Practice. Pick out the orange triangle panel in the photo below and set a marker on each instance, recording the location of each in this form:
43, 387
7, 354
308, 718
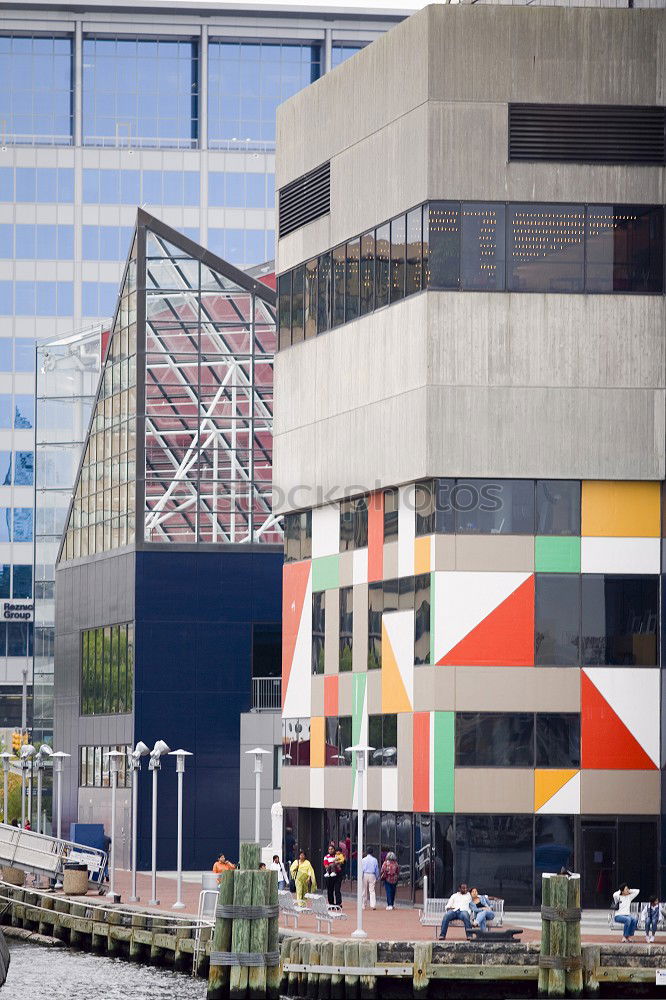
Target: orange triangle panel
294, 585
606, 743
505, 637
548, 782
394, 694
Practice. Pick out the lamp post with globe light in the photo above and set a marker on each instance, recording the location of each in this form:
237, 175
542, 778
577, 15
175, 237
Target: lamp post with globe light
154, 765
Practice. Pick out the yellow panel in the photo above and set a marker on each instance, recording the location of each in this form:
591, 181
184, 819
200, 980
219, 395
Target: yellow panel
620, 510
394, 694
422, 555
547, 782
317, 755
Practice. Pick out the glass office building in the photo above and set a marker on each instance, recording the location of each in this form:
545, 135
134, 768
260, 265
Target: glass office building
101, 113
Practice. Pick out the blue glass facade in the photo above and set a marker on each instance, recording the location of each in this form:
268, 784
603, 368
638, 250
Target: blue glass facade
36, 88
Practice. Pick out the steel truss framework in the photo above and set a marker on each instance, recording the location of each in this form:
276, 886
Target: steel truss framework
179, 449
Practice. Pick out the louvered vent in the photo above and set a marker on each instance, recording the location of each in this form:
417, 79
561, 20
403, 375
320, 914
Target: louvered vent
587, 133
305, 199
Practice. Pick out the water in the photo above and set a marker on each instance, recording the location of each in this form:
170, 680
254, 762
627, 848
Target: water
40, 973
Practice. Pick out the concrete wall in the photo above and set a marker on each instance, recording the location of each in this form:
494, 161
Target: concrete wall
258, 729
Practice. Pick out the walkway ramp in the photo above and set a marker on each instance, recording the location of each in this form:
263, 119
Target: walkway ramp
39, 854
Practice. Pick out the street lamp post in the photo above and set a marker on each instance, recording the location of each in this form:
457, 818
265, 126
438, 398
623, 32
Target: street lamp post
43, 755
6, 757
360, 756
140, 750
180, 756
259, 754
59, 758
154, 765
115, 758
27, 753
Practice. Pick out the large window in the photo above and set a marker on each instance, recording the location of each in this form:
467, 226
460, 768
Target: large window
557, 507
557, 619
496, 853
546, 248
247, 81
95, 768
107, 670
517, 739
422, 618
353, 524
346, 627
383, 738
624, 248
140, 91
298, 536
318, 631
620, 620
36, 89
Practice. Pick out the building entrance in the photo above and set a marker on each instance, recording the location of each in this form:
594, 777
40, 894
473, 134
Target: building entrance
599, 860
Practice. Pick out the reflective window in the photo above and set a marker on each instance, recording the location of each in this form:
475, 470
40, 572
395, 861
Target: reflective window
6, 467
5, 578
341, 52
106, 242
398, 257
414, 274
22, 524
339, 258
24, 354
139, 90
19, 638
382, 265
36, 89
545, 248
24, 411
241, 190
424, 507
482, 257
422, 618
353, 524
346, 628
620, 620
6, 241
297, 305
44, 298
107, 670
23, 468
494, 852
21, 581
6, 184
170, 187
310, 299
625, 248
494, 739
5, 524
6, 362
557, 739
318, 631
6, 298
553, 847
324, 293
5, 410
443, 260
45, 184
99, 298
391, 498
91, 776
367, 274
44, 242
375, 609
284, 309
557, 507
492, 507
111, 187
383, 737
557, 619
247, 81
352, 280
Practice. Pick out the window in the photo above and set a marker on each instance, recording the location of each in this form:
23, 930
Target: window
398, 257
443, 259
111, 187
482, 257
414, 273
342, 51
6, 467
247, 81
107, 670
36, 100
487, 739
21, 581
383, 737
557, 507
284, 309
318, 631
24, 354
44, 242
297, 305
624, 248
424, 507
545, 248
94, 767
352, 280
140, 89
22, 524
422, 619
493, 507
277, 767
44, 298
557, 619
296, 742
346, 627
5, 524
170, 187
324, 293
99, 298
310, 300
353, 524
391, 498
45, 184
382, 265
4, 580
338, 736
106, 242
11, 703
24, 411
496, 851
338, 286
367, 274
620, 620
298, 536
266, 649
241, 190
19, 638
375, 609
557, 739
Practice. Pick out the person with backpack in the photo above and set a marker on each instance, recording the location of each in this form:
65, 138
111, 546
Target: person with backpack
389, 875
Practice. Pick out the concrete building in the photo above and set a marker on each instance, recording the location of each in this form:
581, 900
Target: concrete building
469, 447
105, 107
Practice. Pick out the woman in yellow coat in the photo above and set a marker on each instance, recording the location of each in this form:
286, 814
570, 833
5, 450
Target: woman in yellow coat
303, 875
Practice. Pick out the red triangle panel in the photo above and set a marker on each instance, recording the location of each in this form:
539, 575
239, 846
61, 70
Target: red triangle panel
503, 638
606, 743
294, 585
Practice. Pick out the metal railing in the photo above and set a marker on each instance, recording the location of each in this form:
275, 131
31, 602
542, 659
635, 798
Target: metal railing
43, 855
266, 694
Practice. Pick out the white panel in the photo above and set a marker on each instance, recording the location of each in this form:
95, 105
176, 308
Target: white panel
406, 530
464, 599
620, 555
298, 699
360, 566
316, 788
399, 627
566, 801
390, 789
633, 694
325, 531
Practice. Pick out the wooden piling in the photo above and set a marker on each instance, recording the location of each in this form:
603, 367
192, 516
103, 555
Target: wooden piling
136, 947
591, 955
422, 959
76, 935
294, 958
367, 959
113, 919
351, 960
285, 949
337, 979
273, 940
326, 957
218, 975
312, 984
259, 933
46, 926
303, 959
573, 976
558, 936
62, 933
545, 936
240, 933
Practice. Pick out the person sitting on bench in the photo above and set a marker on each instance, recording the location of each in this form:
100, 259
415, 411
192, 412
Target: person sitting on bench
481, 910
457, 908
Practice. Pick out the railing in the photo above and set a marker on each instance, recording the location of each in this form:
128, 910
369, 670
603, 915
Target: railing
266, 694
44, 855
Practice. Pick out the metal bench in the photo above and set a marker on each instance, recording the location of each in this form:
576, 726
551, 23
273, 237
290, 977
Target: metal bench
288, 908
636, 910
434, 909
323, 913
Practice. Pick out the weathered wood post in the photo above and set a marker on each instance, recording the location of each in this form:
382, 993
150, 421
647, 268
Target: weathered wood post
326, 955
367, 958
574, 971
558, 937
591, 962
259, 933
294, 959
218, 976
560, 963
351, 960
545, 936
46, 926
422, 959
273, 940
137, 948
250, 855
337, 979
312, 985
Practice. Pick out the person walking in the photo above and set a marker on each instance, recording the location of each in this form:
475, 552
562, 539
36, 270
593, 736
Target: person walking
480, 909
303, 875
623, 898
390, 874
277, 866
333, 865
457, 908
652, 914
370, 872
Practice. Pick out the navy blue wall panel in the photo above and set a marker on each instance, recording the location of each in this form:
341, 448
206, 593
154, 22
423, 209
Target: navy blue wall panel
194, 618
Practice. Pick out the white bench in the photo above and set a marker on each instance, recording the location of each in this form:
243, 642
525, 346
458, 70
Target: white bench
323, 913
289, 909
636, 910
434, 909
